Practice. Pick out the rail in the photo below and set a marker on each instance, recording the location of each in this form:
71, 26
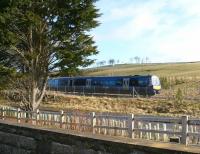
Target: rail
183, 130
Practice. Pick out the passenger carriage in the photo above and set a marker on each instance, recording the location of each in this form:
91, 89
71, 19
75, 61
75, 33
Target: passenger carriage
135, 85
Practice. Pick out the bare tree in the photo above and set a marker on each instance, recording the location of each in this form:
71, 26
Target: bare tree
111, 61
137, 59
103, 62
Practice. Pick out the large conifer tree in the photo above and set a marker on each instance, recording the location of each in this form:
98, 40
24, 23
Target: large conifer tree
45, 35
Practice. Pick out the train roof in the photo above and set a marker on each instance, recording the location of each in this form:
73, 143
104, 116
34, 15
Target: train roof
128, 76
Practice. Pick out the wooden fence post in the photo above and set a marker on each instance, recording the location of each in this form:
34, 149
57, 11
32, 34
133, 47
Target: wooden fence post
61, 118
184, 137
93, 122
37, 116
18, 115
158, 134
140, 127
147, 133
3, 113
164, 129
131, 126
150, 128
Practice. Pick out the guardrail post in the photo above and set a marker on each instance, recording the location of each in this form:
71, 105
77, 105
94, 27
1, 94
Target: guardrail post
18, 115
61, 118
93, 122
37, 116
184, 137
131, 126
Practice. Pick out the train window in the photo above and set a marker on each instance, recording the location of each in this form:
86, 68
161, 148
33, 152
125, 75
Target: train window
79, 82
62, 82
111, 83
104, 82
52, 82
143, 82
55, 83
134, 82
118, 82
96, 82
155, 81
107, 82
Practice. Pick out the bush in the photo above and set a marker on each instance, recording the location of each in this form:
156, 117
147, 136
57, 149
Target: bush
179, 99
165, 83
179, 81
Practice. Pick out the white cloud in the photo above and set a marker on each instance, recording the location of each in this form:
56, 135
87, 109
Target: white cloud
137, 26
183, 44
172, 27
135, 20
189, 7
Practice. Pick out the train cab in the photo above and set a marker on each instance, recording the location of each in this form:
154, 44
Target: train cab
155, 81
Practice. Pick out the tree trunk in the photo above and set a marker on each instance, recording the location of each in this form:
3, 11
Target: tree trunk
37, 95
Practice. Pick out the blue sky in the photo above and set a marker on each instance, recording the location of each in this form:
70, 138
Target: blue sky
162, 30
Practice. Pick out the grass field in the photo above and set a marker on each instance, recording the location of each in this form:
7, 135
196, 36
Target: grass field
169, 69
173, 76
183, 76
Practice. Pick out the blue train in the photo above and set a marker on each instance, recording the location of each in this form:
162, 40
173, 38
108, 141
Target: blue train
135, 85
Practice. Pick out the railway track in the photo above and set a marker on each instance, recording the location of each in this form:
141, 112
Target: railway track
128, 96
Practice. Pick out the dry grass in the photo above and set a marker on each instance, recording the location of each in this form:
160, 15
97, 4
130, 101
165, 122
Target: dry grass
147, 106
121, 105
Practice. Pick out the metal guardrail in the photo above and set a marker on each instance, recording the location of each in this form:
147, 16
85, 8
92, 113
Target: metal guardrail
185, 129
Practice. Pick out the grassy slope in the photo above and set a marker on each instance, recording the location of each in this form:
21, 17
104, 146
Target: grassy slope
170, 69
187, 72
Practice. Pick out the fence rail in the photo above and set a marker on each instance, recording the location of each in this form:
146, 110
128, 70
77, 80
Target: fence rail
183, 129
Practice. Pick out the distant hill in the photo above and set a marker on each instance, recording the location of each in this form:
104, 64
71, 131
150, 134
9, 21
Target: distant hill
161, 69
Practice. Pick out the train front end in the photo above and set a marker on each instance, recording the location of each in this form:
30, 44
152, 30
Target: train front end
156, 84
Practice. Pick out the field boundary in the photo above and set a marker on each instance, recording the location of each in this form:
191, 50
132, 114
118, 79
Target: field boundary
183, 130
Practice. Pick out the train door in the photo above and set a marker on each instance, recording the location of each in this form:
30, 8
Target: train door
88, 82
126, 83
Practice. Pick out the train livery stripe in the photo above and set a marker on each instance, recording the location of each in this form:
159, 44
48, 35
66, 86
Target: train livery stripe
156, 87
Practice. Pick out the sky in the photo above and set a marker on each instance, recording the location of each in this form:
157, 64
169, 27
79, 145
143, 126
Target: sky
162, 30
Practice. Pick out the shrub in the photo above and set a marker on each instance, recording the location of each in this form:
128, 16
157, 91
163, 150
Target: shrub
179, 99
179, 81
165, 83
